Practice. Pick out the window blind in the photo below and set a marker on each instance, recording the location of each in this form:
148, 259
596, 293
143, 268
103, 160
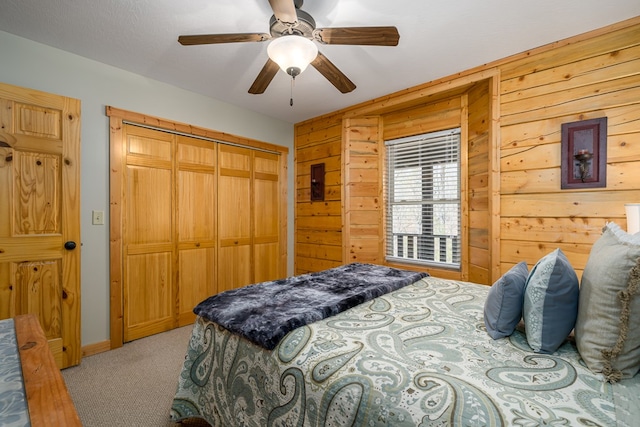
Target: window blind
423, 200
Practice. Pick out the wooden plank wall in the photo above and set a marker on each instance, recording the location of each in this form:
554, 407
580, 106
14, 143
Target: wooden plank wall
593, 77
363, 204
318, 224
587, 76
478, 183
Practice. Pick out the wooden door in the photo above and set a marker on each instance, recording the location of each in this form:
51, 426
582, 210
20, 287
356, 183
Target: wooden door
196, 210
266, 215
249, 229
149, 267
40, 214
169, 229
235, 228
190, 217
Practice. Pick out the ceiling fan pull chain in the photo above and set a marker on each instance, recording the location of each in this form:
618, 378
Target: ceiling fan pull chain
293, 81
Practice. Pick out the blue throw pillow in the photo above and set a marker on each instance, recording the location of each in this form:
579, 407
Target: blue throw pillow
503, 306
550, 302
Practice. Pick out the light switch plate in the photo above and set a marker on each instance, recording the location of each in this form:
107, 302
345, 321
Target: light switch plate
97, 218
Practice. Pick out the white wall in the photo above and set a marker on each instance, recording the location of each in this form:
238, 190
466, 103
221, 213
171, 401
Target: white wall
37, 66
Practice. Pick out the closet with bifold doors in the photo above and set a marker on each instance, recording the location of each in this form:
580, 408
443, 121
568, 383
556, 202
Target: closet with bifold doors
196, 217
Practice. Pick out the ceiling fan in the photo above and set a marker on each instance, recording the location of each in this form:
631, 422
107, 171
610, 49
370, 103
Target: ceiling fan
292, 28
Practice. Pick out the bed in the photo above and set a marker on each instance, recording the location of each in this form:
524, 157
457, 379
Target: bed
419, 355
32, 390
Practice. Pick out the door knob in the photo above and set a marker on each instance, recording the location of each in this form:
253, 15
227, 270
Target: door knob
70, 245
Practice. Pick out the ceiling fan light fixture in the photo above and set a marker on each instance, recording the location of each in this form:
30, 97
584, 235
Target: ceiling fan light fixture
292, 53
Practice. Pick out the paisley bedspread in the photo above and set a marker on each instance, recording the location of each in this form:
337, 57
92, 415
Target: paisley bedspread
419, 356
14, 411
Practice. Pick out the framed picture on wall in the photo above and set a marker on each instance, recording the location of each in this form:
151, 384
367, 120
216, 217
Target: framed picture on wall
584, 154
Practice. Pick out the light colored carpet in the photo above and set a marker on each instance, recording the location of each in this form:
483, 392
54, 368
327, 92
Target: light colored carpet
130, 386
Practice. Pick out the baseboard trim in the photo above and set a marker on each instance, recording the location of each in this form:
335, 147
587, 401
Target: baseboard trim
99, 347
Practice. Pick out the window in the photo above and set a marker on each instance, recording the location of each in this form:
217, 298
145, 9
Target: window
423, 208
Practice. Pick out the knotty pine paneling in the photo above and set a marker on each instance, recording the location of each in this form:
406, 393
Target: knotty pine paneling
327, 237
598, 42
363, 212
618, 92
422, 119
515, 109
557, 230
318, 224
597, 77
478, 256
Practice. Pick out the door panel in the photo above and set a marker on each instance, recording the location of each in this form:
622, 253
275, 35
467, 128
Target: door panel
235, 268
197, 280
36, 194
39, 213
196, 207
267, 267
40, 286
149, 294
235, 208
149, 206
196, 224
266, 219
150, 288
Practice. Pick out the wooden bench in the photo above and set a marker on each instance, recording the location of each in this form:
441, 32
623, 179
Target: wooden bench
47, 395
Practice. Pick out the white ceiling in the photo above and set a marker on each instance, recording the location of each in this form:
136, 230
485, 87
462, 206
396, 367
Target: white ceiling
437, 38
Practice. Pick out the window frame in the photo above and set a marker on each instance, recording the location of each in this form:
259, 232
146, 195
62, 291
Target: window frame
455, 261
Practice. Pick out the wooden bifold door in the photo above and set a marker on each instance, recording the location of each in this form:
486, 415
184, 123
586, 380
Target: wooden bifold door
169, 212
248, 228
194, 218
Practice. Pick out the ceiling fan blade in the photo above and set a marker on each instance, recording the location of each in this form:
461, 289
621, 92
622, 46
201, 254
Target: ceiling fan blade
284, 10
264, 77
222, 38
366, 36
332, 73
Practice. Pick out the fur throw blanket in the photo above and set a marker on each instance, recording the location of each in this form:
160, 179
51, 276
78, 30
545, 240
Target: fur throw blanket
265, 312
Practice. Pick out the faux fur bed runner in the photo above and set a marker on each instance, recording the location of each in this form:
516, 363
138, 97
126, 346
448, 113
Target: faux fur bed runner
265, 312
